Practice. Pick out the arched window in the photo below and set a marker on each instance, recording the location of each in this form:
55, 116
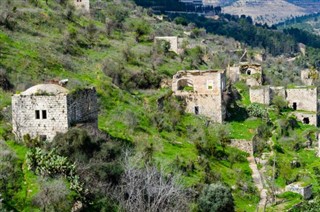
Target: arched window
185, 85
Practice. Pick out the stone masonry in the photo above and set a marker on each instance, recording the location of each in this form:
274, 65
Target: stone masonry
202, 91
173, 40
46, 109
250, 73
303, 100
298, 187
82, 4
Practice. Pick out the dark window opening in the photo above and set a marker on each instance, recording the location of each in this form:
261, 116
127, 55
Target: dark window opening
306, 120
44, 114
294, 106
249, 72
196, 110
43, 137
37, 114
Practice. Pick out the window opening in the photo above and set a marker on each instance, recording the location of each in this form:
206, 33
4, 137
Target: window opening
249, 72
37, 114
43, 137
44, 114
306, 120
209, 84
196, 110
294, 106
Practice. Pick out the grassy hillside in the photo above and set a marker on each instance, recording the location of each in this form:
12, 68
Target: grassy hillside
113, 50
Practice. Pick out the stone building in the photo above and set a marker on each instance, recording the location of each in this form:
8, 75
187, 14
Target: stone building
249, 73
174, 42
202, 91
46, 109
82, 4
298, 187
302, 99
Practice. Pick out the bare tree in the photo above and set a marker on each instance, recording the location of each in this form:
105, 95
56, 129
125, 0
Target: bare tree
147, 189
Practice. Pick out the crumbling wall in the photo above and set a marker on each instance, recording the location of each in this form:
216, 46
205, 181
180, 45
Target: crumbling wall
82, 106
260, 95
305, 191
277, 91
25, 120
233, 74
307, 117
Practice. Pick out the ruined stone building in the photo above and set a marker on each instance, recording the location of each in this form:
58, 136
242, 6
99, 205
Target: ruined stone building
46, 109
308, 77
202, 91
302, 99
174, 41
251, 74
82, 4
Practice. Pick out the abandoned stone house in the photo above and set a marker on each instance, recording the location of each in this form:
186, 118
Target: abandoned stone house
302, 99
82, 4
175, 42
44, 110
251, 74
308, 77
202, 91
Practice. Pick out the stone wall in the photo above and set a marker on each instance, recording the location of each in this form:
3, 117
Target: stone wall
307, 117
82, 4
303, 98
260, 95
82, 106
204, 96
25, 120
305, 77
277, 91
233, 74
173, 40
305, 191
244, 145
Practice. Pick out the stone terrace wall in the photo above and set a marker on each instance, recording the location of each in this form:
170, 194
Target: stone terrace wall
244, 145
82, 4
173, 40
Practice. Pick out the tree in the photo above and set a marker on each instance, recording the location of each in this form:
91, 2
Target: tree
147, 189
53, 196
216, 198
280, 103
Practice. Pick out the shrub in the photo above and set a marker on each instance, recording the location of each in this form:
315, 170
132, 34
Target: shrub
216, 198
257, 110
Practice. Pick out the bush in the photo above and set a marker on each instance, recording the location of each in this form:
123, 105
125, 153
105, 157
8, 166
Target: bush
257, 110
216, 198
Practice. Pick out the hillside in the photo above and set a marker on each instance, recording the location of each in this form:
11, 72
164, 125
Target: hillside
269, 12
147, 154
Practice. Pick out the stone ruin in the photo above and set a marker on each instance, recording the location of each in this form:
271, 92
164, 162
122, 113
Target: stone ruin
202, 91
251, 74
308, 77
82, 5
174, 41
298, 187
302, 99
44, 110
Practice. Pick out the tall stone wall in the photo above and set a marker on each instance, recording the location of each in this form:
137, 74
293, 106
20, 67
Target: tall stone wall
301, 98
82, 106
260, 95
25, 120
205, 96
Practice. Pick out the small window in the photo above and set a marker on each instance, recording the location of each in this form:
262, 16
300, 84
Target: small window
44, 114
196, 110
249, 72
306, 120
294, 106
209, 84
37, 114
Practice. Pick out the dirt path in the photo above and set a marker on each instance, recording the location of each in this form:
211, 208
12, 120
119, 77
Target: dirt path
258, 182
